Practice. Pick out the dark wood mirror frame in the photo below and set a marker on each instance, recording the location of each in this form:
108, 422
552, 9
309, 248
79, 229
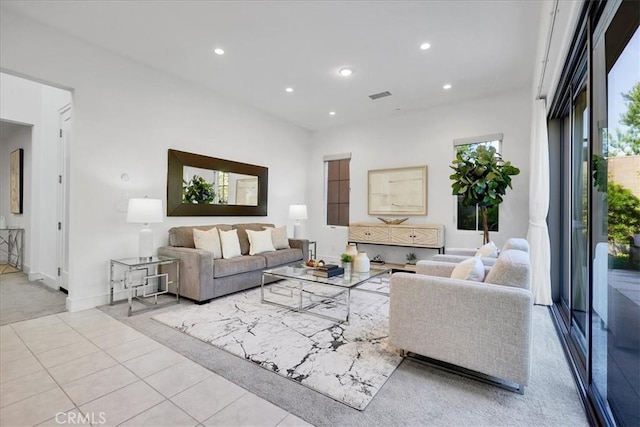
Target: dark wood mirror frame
179, 159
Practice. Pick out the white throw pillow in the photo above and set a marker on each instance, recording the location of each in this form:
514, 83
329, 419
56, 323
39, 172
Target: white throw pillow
279, 237
230, 244
469, 269
260, 241
209, 240
489, 250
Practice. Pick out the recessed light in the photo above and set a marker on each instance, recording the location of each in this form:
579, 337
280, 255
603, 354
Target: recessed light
447, 86
218, 51
332, 113
289, 89
425, 46
345, 72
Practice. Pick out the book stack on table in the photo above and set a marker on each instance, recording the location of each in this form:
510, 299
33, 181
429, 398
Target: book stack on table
328, 270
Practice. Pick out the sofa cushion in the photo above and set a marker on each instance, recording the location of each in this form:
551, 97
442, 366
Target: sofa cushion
279, 237
489, 250
512, 268
469, 269
282, 256
209, 240
260, 241
183, 236
230, 244
242, 234
238, 265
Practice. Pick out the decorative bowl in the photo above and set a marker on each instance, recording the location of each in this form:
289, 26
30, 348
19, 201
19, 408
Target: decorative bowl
395, 221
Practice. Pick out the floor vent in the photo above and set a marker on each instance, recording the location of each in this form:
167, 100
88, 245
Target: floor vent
380, 95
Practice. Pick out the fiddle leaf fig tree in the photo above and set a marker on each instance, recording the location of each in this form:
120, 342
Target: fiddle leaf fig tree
481, 178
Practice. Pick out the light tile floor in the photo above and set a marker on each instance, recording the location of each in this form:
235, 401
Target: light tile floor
87, 368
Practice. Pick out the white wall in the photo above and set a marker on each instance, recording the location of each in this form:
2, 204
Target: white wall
418, 138
37, 105
125, 118
18, 136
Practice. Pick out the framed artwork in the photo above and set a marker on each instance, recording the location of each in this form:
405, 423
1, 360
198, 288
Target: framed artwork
401, 191
16, 180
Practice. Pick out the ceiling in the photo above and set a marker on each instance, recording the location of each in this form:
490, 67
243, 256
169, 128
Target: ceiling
479, 47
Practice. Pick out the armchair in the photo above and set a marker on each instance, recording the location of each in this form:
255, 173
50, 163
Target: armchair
482, 327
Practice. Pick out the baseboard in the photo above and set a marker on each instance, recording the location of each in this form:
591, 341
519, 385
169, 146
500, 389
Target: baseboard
51, 282
79, 304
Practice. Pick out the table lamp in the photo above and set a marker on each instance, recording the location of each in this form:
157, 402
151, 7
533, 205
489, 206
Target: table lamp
145, 211
297, 212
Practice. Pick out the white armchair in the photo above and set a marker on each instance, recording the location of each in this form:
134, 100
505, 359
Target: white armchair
482, 327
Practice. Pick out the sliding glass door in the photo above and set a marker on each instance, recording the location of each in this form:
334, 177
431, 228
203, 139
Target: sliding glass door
616, 217
595, 124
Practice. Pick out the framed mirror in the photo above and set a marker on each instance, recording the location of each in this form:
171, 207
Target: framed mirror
199, 185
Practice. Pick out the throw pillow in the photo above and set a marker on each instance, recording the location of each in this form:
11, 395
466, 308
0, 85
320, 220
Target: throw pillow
260, 241
230, 244
489, 250
469, 269
209, 240
279, 237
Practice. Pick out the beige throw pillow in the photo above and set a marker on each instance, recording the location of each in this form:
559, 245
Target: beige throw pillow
260, 241
279, 237
469, 269
209, 240
489, 250
230, 244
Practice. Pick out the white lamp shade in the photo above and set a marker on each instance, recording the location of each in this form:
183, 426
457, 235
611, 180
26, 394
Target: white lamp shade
144, 211
298, 211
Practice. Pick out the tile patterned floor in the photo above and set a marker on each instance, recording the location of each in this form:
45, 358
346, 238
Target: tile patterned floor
87, 368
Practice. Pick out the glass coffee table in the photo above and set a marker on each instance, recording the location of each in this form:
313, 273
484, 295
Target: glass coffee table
296, 288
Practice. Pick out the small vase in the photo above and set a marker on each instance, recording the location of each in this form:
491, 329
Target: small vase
352, 250
347, 268
361, 264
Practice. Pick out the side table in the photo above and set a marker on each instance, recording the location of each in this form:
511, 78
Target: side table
159, 282
12, 243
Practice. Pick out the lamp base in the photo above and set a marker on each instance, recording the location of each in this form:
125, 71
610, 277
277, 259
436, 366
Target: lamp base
297, 230
145, 244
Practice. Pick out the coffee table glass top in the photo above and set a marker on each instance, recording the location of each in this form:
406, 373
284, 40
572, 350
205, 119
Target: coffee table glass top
300, 272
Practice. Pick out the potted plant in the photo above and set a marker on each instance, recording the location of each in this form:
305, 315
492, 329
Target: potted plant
411, 258
347, 261
481, 178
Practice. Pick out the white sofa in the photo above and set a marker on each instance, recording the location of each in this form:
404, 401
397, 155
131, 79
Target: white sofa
460, 254
482, 327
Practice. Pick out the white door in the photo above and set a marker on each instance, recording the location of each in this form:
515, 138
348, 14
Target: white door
63, 198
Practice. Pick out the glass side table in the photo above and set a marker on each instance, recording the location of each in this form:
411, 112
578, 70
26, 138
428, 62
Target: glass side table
12, 247
144, 279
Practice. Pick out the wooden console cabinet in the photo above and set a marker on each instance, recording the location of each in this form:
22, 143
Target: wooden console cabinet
411, 235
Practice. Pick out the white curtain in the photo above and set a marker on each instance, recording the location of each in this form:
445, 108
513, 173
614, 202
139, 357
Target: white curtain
538, 234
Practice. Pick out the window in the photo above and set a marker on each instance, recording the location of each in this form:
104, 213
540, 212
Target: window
468, 217
338, 188
222, 185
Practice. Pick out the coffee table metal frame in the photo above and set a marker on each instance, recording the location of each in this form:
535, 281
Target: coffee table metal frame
303, 275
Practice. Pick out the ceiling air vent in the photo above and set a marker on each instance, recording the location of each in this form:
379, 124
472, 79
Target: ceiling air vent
379, 95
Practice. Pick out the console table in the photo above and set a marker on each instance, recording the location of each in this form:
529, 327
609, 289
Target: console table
12, 244
430, 236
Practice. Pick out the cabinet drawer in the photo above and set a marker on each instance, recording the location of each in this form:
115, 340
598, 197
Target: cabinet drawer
369, 234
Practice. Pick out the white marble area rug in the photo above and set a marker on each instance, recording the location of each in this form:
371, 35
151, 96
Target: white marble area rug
349, 363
